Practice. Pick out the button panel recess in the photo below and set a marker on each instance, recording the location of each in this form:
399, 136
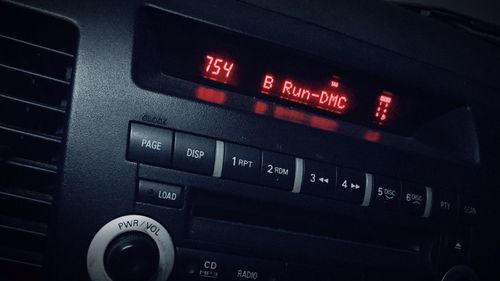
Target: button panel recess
207, 156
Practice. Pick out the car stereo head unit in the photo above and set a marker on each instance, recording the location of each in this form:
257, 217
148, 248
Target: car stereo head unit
222, 192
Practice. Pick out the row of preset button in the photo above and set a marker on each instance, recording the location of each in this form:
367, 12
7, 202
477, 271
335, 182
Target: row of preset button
187, 152
201, 155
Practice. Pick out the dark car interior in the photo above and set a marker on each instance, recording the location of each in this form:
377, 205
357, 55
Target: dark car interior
270, 140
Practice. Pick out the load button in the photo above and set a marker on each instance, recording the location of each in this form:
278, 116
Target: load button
159, 194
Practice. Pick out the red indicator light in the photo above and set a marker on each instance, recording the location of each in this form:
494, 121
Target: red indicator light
323, 123
330, 98
260, 107
218, 69
290, 114
372, 136
384, 106
211, 95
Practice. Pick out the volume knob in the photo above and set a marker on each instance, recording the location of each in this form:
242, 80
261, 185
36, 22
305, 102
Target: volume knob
460, 273
131, 256
131, 248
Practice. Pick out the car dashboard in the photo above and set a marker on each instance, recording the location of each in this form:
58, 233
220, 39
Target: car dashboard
245, 140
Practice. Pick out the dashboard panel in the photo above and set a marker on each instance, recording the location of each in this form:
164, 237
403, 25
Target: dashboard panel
245, 140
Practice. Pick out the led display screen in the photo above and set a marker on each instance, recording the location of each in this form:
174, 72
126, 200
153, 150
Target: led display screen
172, 45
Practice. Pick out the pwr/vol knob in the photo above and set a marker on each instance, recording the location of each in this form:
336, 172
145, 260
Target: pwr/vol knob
131, 248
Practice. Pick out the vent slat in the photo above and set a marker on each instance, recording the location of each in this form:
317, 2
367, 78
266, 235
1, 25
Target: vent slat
37, 28
15, 224
23, 207
34, 59
20, 114
34, 135
33, 103
27, 175
33, 165
28, 145
36, 46
19, 259
20, 265
20, 239
11, 68
31, 197
36, 67
34, 87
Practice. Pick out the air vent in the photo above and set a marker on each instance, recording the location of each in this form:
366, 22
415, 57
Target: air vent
37, 58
